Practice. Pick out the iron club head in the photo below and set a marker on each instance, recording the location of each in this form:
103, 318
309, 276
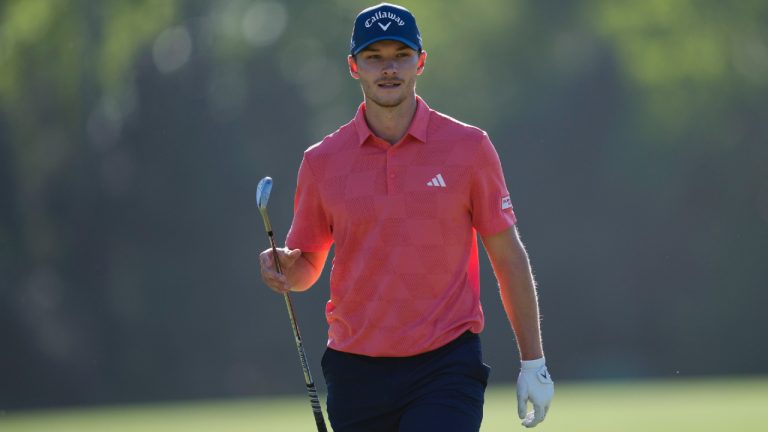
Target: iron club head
262, 192
262, 197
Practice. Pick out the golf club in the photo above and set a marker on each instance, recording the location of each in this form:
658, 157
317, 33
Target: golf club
262, 197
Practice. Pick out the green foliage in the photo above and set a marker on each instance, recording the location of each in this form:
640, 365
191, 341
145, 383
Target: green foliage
60, 61
24, 25
690, 60
126, 28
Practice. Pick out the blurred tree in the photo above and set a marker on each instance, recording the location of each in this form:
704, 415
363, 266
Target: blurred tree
694, 153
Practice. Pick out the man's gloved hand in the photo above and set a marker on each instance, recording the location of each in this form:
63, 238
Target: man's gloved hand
534, 384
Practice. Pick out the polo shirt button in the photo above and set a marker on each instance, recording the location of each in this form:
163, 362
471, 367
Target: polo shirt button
391, 176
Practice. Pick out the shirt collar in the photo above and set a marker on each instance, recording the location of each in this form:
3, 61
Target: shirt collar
417, 129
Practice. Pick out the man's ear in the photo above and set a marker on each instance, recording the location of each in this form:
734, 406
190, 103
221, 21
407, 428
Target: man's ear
352, 62
422, 62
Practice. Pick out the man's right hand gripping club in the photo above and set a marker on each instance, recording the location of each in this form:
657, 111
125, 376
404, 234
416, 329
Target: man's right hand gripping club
277, 282
534, 384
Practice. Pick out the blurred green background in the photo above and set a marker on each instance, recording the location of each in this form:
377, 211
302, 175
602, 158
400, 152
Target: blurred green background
633, 135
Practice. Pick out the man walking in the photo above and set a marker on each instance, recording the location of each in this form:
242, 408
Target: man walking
402, 192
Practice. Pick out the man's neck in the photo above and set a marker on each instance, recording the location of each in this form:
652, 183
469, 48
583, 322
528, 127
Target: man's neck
390, 124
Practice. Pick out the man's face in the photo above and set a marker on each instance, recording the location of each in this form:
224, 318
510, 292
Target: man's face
387, 71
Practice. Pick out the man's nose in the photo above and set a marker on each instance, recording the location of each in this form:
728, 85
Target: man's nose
390, 67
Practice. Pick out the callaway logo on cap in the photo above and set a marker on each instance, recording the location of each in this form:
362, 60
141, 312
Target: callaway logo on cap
385, 22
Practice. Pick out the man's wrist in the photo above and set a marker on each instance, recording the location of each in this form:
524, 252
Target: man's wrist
532, 364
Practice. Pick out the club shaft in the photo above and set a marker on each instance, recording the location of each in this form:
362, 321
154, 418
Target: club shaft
278, 266
314, 400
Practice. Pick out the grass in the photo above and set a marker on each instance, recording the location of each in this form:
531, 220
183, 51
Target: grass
738, 404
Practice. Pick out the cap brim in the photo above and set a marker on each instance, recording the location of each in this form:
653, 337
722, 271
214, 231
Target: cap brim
399, 39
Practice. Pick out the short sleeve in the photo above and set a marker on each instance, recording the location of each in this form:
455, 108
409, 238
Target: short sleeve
310, 230
491, 205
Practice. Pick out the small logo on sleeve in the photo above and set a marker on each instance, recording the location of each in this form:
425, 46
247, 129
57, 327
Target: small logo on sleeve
506, 203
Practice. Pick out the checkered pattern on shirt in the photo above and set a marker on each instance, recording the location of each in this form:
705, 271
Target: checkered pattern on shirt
405, 276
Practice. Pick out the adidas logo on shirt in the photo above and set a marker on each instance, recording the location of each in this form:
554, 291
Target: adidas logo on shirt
437, 181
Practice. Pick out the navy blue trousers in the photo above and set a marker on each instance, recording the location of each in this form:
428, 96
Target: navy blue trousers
441, 390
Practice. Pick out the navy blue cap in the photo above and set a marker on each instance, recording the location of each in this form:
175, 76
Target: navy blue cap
385, 22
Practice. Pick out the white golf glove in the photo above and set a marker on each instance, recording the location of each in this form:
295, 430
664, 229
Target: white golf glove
534, 384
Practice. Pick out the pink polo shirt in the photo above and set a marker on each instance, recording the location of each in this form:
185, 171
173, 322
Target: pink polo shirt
405, 276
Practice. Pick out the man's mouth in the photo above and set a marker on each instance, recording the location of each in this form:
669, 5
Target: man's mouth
389, 84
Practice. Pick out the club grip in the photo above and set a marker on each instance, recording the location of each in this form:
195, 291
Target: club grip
314, 400
320, 422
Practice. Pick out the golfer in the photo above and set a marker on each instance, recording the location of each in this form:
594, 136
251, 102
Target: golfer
402, 192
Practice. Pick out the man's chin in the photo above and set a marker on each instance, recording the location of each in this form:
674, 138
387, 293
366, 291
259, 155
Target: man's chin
387, 102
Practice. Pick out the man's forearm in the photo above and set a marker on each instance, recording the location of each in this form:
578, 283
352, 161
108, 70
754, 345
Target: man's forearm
518, 295
303, 273
517, 289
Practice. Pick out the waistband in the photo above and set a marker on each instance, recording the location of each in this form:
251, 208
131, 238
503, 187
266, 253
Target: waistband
465, 337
